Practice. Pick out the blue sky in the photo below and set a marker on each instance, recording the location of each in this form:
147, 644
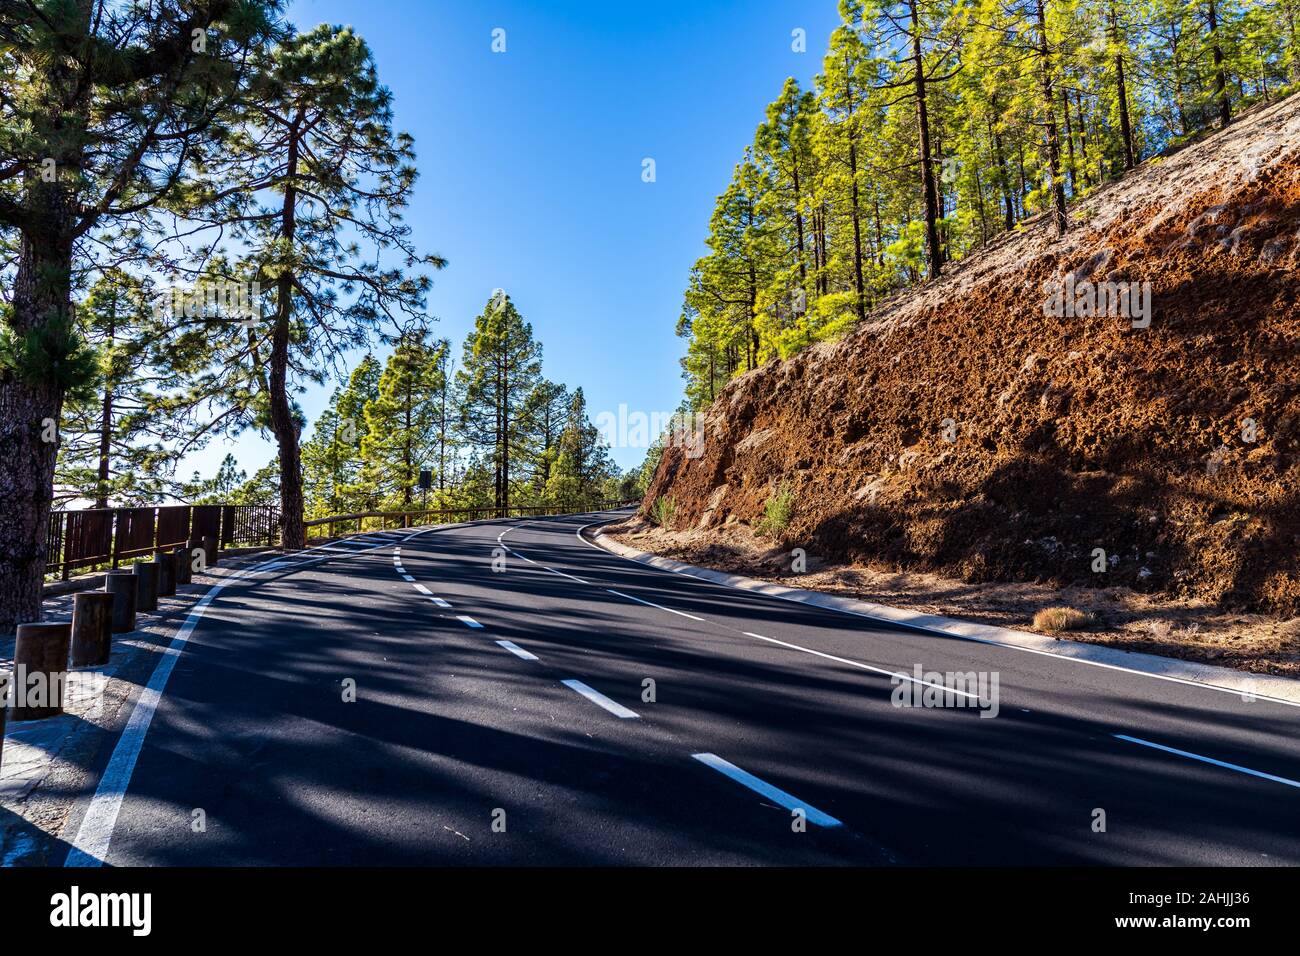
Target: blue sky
530, 166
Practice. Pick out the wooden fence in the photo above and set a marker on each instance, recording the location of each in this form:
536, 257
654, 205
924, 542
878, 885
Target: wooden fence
379, 520
103, 537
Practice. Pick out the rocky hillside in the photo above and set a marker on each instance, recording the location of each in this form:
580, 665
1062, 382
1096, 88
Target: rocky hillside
980, 428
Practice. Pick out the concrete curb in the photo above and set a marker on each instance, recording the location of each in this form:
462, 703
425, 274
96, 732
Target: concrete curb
1280, 689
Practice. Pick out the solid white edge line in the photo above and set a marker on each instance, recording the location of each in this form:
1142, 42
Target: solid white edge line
916, 628
865, 667
518, 651
760, 786
652, 604
467, 620
90, 846
599, 699
1209, 760
95, 833
562, 574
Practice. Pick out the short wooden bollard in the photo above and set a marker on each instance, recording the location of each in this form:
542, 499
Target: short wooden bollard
184, 570
40, 670
121, 585
166, 573
92, 628
5, 684
210, 550
146, 586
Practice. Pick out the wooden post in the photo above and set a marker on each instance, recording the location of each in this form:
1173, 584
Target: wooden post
40, 658
121, 585
146, 586
92, 628
166, 565
184, 570
210, 550
5, 683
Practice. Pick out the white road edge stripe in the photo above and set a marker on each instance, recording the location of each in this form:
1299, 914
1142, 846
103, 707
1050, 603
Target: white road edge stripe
468, 620
90, 845
1209, 760
651, 604
775, 794
438, 601
518, 651
599, 699
1235, 692
95, 833
421, 588
866, 667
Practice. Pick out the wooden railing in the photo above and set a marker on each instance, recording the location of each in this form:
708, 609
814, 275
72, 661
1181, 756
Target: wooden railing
380, 520
103, 537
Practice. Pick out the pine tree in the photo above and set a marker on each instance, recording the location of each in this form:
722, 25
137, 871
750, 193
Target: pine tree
316, 135
331, 458
583, 463
112, 432
103, 112
402, 420
501, 366
546, 412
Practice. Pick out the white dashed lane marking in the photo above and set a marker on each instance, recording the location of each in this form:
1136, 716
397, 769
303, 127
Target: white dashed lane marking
762, 787
518, 651
599, 699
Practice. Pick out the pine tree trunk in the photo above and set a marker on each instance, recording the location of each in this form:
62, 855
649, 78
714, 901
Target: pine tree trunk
1059, 219
1004, 180
859, 281
928, 186
1220, 78
1083, 139
294, 533
29, 413
106, 421
1125, 126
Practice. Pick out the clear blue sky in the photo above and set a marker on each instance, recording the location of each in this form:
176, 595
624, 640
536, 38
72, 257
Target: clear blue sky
530, 166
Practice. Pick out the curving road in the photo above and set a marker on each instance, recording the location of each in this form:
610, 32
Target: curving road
502, 716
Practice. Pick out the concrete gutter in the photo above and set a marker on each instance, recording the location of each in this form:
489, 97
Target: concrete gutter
1282, 689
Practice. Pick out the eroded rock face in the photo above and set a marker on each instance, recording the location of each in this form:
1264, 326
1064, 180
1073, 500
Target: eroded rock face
966, 428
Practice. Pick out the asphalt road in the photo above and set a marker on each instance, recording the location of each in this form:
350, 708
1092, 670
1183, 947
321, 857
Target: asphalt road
502, 717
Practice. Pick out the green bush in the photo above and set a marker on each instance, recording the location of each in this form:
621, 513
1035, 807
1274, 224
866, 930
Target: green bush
777, 512
663, 511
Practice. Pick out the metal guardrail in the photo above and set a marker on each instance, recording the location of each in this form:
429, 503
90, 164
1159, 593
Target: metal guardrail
105, 536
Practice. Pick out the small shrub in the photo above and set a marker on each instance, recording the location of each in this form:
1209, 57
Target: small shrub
777, 512
663, 511
1054, 620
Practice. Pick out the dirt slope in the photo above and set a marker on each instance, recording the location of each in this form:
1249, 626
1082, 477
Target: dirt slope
1069, 433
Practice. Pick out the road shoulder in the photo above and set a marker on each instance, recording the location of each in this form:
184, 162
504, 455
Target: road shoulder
1220, 678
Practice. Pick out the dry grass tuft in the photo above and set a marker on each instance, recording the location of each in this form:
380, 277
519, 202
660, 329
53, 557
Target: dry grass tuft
1054, 620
